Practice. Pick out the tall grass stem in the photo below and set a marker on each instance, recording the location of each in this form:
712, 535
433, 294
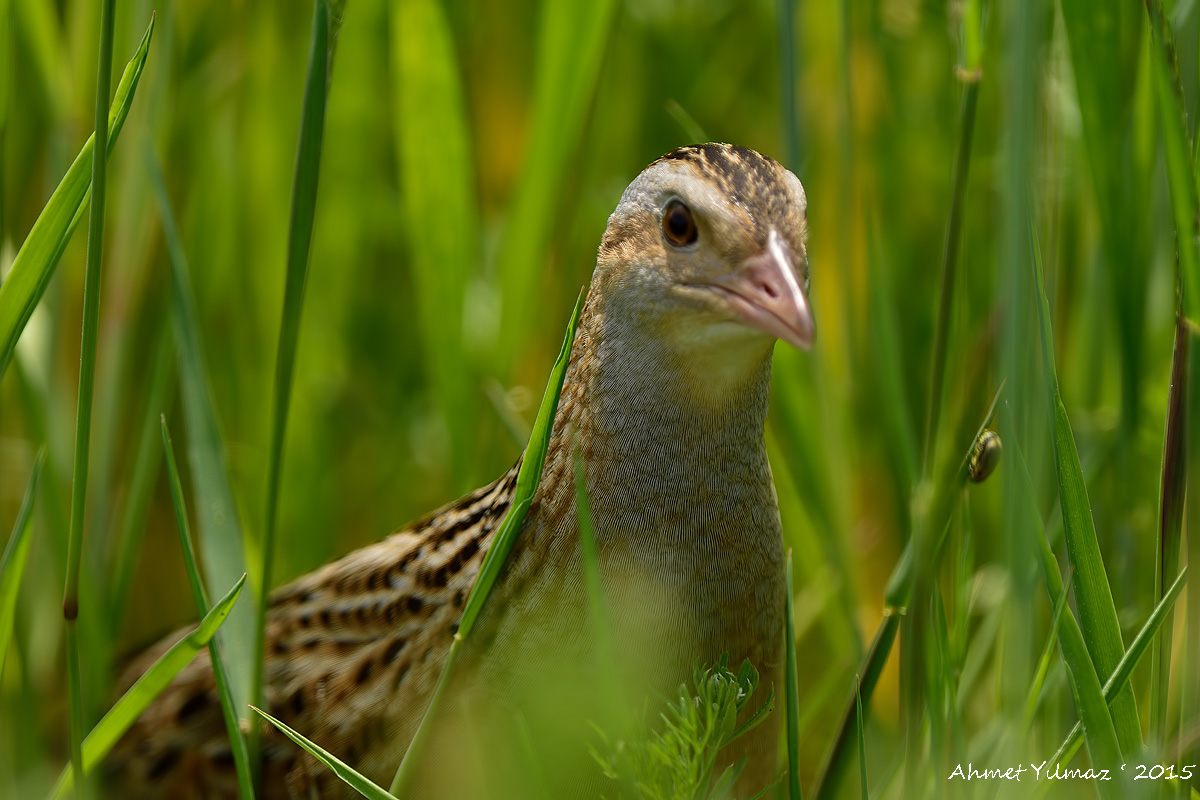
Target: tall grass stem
87, 379
300, 227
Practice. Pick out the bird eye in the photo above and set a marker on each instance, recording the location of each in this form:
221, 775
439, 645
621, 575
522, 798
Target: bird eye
678, 225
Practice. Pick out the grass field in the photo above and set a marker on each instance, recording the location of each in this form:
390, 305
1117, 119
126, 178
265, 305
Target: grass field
1002, 205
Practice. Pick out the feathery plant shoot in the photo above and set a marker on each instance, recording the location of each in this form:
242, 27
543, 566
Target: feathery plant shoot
680, 761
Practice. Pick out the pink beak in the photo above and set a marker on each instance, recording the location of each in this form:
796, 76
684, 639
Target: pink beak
765, 292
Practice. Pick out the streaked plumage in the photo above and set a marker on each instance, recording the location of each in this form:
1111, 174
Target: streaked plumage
665, 398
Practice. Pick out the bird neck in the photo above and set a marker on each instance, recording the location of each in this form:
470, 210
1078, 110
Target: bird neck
645, 413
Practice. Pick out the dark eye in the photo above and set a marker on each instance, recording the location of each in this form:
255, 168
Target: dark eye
678, 225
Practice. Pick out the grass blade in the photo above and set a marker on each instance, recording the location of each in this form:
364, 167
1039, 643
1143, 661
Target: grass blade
300, 227
785, 15
1172, 490
6, 83
1184, 185
1097, 612
597, 608
352, 778
1039, 678
139, 697
528, 476
1100, 51
216, 511
896, 600
889, 362
130, 531
924, 527
950, 251
792, 691
1129, 661
440, 208
12, 564
862, 744
1099, 731
572, 41
87, 381
38, 257
1181, 171
241, 756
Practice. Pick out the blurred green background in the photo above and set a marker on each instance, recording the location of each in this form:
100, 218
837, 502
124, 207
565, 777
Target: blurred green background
499, 136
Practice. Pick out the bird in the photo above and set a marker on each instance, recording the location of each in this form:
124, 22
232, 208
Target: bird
702, 267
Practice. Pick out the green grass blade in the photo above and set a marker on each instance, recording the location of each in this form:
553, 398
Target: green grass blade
571, 43
352, 778
6, 84
606, 656
597, 608
886, 340
1039, 678
241, 755
12, 564
528, 476
1172, 489
1099, 730
220, 530
132, 526
950, 252
786, 27
1097, 612
692, 129
139, 697
1181, 171
437, 177
862, 743
87, 383
838, 755
1129, 661
1100, 51
300, 227
36, 260
896, 599
924, 527
791, 684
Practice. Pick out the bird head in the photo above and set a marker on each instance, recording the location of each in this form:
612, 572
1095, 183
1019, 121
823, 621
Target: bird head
706, 251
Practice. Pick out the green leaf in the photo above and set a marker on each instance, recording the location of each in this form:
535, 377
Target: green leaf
300, 227
1104, 41
862, 744
571, 44
437, 177
241, 756
221, 545
131, 529
1181, 170
87, 382
1097, 612
12, 564
1129, 661
139, 697
1043, 669
1098, 728
792, 691
354, 779
528, 476
35, 262
896, 598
